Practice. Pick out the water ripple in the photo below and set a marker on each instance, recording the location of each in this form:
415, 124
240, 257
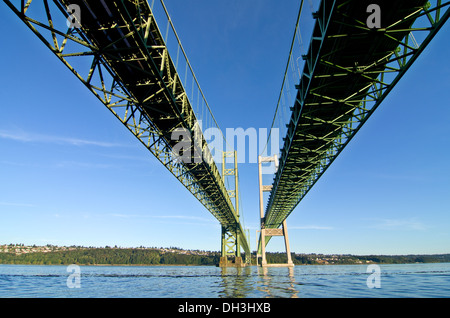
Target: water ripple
416, 280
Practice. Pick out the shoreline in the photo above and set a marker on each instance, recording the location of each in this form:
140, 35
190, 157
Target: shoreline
194, 265
105, 265
173, 256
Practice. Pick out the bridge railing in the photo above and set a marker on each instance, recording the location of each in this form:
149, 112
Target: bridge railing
205, 118
411, 34
293, 72
120, 54
292, 75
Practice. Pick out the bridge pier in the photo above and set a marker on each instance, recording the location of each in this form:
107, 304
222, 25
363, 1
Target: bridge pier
269, 232
232, 235
231, 249
225, 262
275, 232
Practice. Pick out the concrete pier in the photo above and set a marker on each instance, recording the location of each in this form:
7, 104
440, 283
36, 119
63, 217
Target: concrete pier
268, 232
224, 262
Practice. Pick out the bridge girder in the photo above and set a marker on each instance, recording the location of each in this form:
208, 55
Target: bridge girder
348, 71
118, 52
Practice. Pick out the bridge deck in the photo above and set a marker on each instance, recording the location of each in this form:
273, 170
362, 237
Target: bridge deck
131, 71
136, 53
348, 71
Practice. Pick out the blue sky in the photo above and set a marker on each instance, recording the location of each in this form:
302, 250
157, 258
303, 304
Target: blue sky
70, 173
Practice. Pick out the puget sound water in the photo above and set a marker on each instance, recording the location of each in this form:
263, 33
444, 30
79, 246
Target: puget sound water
312, 281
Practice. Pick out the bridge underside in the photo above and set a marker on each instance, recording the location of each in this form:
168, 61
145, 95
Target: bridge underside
129, 69
349, 69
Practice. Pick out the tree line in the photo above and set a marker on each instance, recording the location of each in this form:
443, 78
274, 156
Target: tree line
110, 256
130, 256
316, 259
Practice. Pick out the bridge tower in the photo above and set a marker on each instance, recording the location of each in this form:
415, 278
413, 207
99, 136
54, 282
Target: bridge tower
231, 234
269, 232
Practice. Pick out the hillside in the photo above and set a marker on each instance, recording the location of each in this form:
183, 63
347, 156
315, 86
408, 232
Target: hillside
56, 255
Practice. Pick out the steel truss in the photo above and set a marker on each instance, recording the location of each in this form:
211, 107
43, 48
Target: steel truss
232, 235
119, 54
349, 70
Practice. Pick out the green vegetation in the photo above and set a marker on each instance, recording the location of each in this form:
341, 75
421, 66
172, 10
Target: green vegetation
54, 255
321, 259
110, 256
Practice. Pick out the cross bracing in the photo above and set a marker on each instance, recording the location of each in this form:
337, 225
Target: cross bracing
348, 71
130, 70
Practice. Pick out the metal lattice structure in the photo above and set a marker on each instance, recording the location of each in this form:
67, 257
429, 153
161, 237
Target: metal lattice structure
131, 72
118, 52
348, 71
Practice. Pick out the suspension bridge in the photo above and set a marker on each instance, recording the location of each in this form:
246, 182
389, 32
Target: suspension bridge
128, 54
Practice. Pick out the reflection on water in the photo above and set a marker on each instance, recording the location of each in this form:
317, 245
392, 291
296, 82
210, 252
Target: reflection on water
267, 281
277, 282
236, 282
337, 281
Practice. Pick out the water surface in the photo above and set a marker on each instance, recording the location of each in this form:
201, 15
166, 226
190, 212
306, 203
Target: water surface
337, 281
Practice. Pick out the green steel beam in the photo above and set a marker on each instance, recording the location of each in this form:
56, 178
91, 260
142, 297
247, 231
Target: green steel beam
130, 71
349, 70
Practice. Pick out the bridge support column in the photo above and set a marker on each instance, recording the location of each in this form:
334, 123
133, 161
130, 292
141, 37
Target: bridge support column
231, 235
231, 249
269, 232
275, 232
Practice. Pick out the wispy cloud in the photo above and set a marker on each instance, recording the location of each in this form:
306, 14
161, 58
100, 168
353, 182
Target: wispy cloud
310, 227
183, 217
83, 165
17, 204
191, 219
303, 227
23, 136
399, 224
126, 216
